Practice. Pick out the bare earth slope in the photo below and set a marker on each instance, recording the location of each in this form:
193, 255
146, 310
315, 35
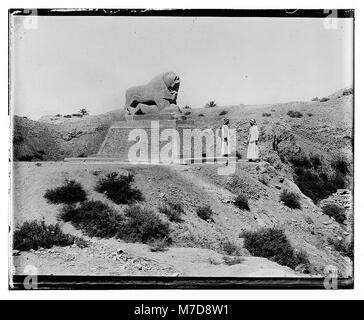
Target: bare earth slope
196, 248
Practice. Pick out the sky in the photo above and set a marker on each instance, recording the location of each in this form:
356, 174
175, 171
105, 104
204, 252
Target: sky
67, 63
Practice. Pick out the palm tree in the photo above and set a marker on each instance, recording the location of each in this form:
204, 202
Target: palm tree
211, 104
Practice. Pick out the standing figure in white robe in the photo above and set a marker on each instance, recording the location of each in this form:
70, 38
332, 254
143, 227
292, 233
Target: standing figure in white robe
225, 147
253, 151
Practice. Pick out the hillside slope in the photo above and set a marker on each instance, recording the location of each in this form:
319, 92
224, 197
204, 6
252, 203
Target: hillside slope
193, 239
325, 128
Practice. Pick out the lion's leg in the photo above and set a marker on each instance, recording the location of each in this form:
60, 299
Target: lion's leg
161, 103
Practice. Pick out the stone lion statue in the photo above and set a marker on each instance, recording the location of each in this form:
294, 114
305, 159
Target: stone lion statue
158, 96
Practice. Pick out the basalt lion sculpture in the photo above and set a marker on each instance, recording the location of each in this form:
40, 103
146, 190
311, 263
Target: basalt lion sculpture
158, 96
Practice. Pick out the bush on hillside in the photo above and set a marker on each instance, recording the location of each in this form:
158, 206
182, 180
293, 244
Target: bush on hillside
230, 248
159, 245
67, 116
143, 225
273, 245
201, 115
317, 184
334, 211
315, 160
173, 211
300, 161
187, 113
70, 192
290, 199
205, 213
324, 99
94, 218
223, 112
241, 201
266, 114
346, 248
230, 261
348, 92
315, 99
118, 188
36, 234
316, 179
294, 114
341, 165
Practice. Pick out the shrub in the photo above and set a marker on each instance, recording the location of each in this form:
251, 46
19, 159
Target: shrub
315, 160
341, 165
315, 178
334, 211
36, 234
187, 113
241, 202
173, 210
77, 115
266, 114
223, 112
316, 184
238, 155
70, 192
294, 114
205, 213
230, 261
344, 247
324, 99
143, 225
309, 114
211, 104
348, 92
230, 248
58, 115
186, 107
315, 99
290, 199
300, 161
274, 245
94, 218
158, 245
117, 188
201, 115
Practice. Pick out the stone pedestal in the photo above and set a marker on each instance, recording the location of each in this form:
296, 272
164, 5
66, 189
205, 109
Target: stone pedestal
149, 139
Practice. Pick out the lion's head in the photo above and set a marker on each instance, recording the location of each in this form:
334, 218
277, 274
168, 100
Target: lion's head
172, 81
